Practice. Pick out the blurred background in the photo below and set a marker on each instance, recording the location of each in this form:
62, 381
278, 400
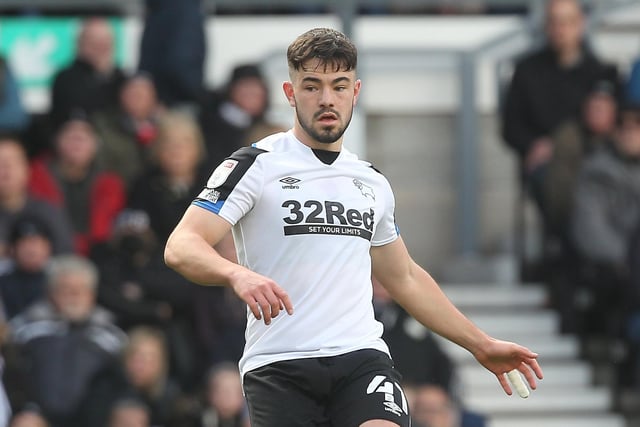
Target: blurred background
509, 129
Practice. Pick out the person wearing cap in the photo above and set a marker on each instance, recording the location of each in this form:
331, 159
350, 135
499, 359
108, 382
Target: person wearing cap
30, 249
574, 140
73, 180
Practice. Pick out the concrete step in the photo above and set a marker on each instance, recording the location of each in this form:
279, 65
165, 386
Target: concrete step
511, 325
480, 295
556, 374
604, 420
549, 347
543, 402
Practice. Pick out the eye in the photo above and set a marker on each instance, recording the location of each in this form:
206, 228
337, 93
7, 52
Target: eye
310, 88
341, 88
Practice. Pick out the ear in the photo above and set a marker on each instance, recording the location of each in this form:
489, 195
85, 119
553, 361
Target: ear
287, 87
356, 91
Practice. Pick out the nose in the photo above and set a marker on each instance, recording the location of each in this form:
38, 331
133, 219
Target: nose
326, 98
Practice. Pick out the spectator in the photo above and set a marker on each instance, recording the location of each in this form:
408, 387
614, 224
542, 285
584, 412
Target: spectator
127, 268
58, 346
15, 199
432, 406
572, 140
606, 215
128, 130
225, 404
172, 182
146, 378
236, 115
92, 82
129, 413
416, 353
28, 418
163, 193
72, 180
13, 117
30, 249
548, 87
173, 50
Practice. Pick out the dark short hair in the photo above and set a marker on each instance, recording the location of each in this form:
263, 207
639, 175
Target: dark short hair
332, 48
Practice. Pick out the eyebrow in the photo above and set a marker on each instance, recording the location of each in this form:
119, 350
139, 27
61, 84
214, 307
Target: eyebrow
334, 81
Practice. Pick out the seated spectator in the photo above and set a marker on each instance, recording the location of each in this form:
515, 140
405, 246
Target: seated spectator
28, 418
128, 264
432, 406
15, 199
572, 141
25, 282
128, 130
13, 116
224, 403
176, 177
129, 413
146, 379
606, 214
73, 180
58, 346
415, 351
93, 80
235, 116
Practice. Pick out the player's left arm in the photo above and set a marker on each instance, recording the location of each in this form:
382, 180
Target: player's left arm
418, 293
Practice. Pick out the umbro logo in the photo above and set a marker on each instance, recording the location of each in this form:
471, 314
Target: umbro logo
290, 183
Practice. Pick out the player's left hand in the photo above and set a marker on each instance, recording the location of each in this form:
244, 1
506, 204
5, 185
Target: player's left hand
500, 357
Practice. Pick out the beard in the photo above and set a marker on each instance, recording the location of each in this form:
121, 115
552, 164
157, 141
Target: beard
326, 134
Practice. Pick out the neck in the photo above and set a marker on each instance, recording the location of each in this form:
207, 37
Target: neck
182, 178
13, 202
568, 57
73, 172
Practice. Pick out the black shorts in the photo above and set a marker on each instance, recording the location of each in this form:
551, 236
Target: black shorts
338, 391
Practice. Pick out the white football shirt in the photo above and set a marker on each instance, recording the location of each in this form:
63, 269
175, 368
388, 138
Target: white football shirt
309, 226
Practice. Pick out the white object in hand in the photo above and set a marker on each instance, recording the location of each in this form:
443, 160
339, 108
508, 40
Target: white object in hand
518, 383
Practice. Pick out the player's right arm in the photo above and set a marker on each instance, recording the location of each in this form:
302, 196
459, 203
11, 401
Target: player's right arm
190, 251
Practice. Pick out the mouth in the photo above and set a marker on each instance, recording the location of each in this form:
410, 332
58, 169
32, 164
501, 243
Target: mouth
328, 118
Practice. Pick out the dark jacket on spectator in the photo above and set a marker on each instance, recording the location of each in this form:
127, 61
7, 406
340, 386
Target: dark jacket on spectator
79, 86
19, 289
542, 94
53, 362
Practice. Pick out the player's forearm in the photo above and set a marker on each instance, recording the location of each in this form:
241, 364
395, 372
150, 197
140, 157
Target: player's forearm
439, 314
195, 259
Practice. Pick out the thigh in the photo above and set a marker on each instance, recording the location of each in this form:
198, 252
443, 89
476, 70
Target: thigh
287, 394
370, 390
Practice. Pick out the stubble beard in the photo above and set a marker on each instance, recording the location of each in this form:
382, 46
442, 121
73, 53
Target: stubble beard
327, 134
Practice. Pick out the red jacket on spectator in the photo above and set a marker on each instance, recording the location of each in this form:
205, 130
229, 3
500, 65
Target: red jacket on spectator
107, 197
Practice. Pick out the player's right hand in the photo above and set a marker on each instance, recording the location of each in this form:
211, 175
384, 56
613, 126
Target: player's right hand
264, 297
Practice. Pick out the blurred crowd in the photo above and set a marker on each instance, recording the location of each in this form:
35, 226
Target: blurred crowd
573, 122
97, 331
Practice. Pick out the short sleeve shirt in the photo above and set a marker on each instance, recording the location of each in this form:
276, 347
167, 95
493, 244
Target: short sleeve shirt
309, 226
